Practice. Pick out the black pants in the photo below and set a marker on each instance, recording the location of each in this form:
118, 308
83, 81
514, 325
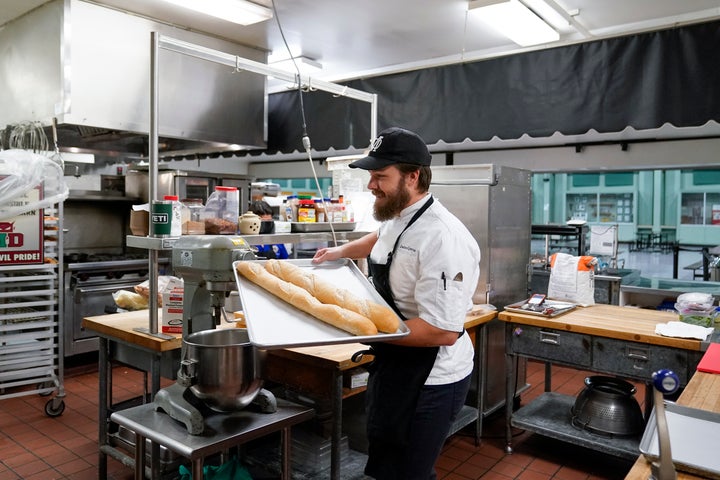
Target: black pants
437, 409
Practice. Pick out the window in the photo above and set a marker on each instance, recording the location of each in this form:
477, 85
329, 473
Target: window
700, 209
601, 207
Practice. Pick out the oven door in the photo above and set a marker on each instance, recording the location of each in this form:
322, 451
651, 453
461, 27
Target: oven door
89, 300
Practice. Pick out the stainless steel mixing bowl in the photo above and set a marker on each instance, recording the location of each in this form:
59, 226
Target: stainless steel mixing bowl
225, 368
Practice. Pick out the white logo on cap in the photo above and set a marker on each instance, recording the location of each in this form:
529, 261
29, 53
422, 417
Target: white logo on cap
376, 144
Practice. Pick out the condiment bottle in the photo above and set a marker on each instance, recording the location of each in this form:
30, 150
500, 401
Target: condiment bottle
176, 216
320, 213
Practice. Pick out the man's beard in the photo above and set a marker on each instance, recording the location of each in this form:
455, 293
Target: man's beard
392, 202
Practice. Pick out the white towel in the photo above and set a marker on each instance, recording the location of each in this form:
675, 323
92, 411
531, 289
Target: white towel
683, 330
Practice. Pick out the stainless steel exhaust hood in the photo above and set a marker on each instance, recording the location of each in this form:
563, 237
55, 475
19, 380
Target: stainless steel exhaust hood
89, 67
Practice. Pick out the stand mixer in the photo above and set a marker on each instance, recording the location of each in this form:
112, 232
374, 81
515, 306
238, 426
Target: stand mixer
204, 262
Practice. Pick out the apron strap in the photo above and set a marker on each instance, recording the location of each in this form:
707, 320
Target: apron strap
412, 220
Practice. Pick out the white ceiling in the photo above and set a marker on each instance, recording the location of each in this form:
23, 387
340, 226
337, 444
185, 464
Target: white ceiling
356, 38
361, 38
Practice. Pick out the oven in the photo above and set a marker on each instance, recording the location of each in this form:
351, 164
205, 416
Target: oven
90, 281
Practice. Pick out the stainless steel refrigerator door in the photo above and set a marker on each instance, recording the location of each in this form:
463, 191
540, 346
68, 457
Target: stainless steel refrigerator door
494, 204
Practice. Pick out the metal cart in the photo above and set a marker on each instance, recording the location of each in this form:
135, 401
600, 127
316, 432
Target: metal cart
30, 330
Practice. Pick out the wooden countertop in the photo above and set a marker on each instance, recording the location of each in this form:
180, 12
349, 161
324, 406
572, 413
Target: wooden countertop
121, 327
703, 392
610, 321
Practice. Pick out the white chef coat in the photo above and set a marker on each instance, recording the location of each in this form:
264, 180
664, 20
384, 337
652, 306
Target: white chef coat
434, 274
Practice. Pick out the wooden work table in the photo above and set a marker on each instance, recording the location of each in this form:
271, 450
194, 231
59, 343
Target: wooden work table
315, 371
608, 339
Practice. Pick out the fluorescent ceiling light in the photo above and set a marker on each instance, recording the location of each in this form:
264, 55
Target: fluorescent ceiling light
514, 20
242, 12
306, 65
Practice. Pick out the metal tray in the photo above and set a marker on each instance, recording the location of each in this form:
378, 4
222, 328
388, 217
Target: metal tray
558, 308
273, 323
305, 227
694, 439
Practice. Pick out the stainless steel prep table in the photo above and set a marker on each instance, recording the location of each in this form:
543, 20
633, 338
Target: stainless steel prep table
225, 430
608, 339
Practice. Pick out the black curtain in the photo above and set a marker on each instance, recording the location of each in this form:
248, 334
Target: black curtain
643, 81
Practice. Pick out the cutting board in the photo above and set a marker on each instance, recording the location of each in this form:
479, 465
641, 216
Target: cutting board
710, 362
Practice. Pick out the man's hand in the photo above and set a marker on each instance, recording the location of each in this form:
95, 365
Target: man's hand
327, 254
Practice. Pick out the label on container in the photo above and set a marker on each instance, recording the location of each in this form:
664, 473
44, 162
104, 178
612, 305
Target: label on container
306, 214
161, 218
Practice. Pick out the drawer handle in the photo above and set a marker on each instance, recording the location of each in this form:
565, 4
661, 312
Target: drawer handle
548, 337
639, 354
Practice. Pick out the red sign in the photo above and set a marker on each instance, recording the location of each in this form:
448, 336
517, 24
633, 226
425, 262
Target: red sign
21, 237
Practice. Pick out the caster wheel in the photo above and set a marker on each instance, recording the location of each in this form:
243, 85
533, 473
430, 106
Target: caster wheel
52, 410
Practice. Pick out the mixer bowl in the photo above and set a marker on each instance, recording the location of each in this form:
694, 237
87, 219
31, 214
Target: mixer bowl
227, 368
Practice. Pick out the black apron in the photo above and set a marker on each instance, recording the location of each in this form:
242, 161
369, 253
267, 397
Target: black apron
397, 374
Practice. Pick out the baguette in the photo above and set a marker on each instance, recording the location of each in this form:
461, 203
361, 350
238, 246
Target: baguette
383, 317
334, 315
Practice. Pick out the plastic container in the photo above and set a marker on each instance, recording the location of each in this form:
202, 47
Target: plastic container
696, 308
222, 211
175, 215
192, 221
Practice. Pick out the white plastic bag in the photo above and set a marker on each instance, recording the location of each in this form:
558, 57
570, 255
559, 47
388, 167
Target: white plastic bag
21, 171
572, 278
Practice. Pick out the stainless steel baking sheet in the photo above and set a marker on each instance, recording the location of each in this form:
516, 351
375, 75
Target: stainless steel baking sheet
694, 439
558, 308
305, 227
273, 323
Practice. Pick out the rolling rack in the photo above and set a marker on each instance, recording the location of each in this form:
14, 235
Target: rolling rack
31, 357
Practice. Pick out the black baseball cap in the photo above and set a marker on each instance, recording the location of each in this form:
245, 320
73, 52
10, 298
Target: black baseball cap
394, 145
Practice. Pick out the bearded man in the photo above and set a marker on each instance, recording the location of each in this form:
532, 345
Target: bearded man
426, 265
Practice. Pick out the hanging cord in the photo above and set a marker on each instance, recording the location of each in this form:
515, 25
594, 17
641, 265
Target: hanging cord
305, 138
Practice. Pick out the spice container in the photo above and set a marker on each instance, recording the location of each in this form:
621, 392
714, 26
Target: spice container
221, 212
306, 211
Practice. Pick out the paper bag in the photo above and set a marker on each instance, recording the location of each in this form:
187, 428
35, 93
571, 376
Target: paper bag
572, 278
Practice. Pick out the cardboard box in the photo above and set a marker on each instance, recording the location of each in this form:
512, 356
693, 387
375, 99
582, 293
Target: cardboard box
172, 309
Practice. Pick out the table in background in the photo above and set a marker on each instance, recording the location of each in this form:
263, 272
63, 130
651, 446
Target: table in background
619, 341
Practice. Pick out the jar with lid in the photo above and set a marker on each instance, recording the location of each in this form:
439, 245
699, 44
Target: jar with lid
306, 211
222, 210
192, 221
